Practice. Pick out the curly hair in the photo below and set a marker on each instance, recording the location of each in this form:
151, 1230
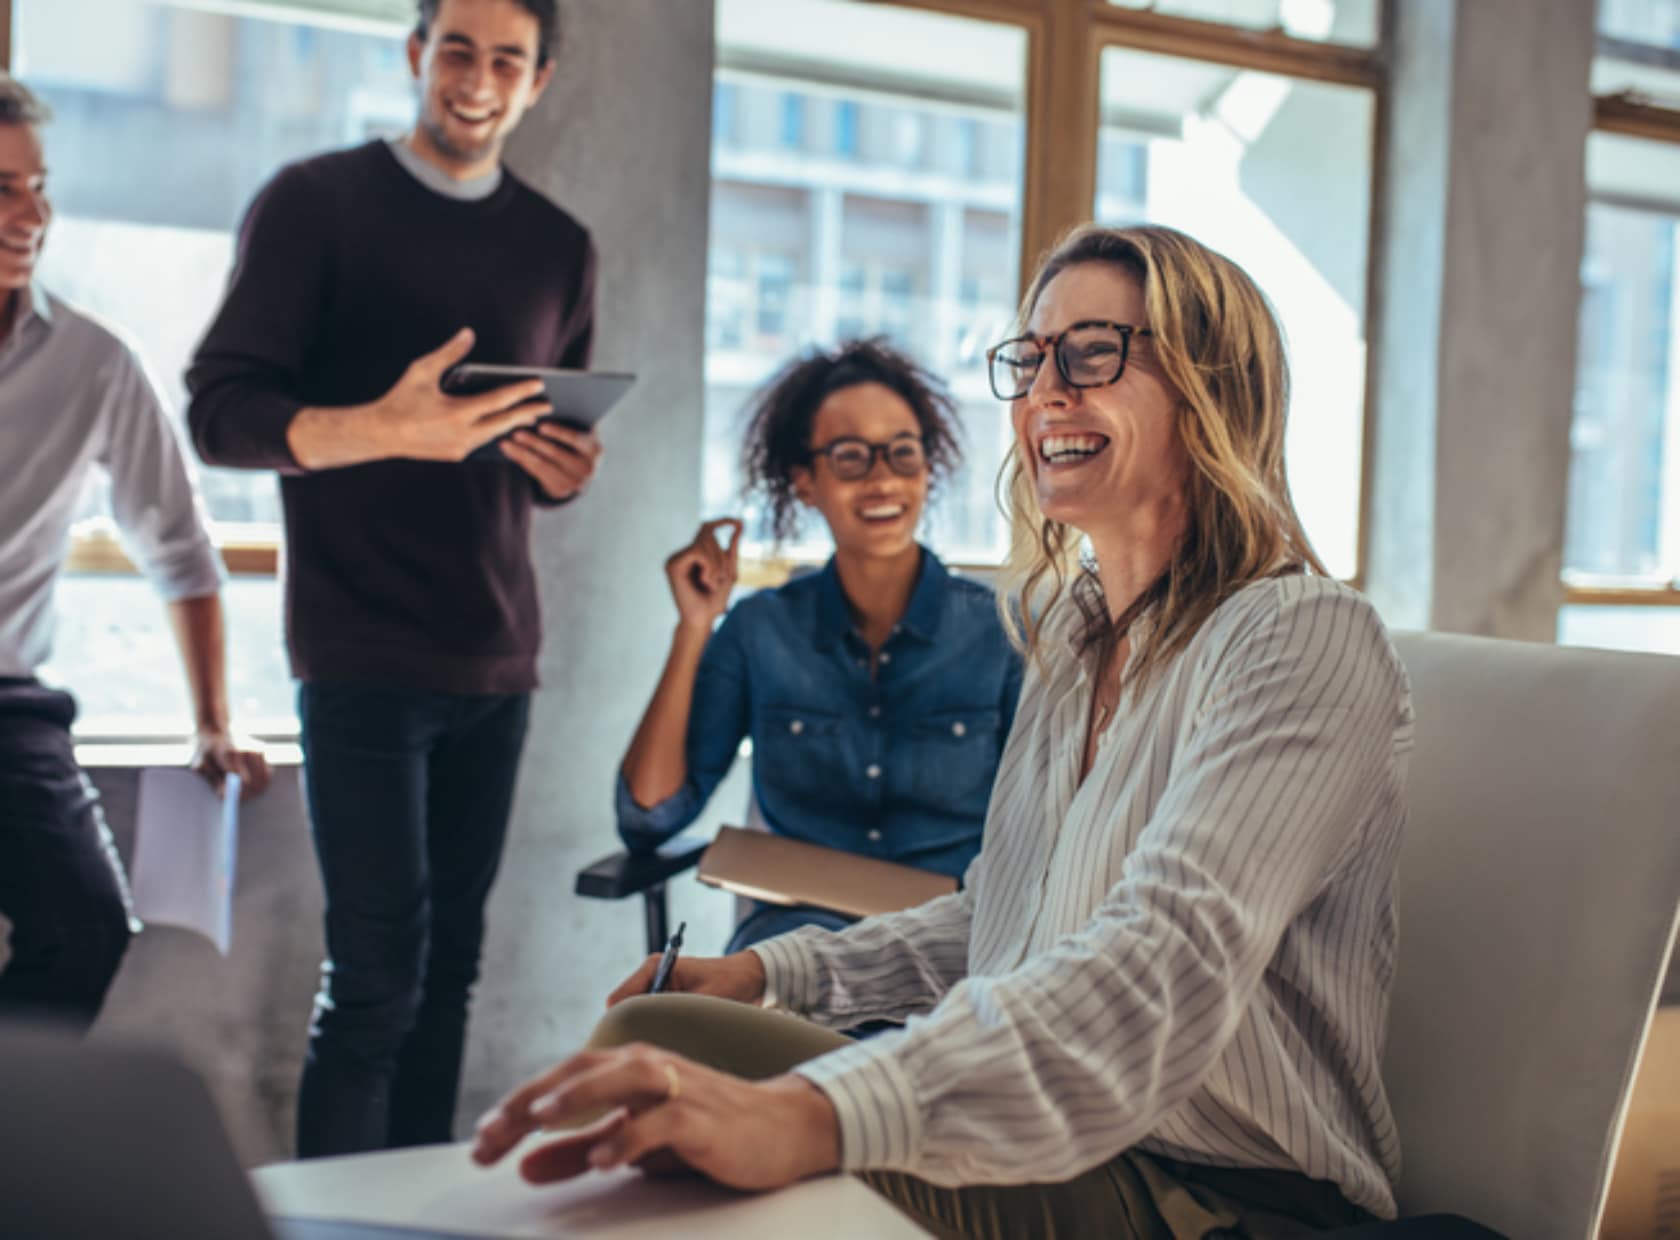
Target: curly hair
1223, 353
780, 417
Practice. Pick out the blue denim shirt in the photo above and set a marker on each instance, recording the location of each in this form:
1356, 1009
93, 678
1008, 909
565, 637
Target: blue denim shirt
898, 766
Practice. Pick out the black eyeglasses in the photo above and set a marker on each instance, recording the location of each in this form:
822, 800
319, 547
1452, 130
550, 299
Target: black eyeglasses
851, 458
1089, 354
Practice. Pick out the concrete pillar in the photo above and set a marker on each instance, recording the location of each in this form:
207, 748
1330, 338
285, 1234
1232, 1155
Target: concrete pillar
1484, 201
622, 139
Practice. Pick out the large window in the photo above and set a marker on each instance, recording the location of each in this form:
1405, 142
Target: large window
1622, 543
895, 205
861, 187
878, 168
164, 126
1275, 173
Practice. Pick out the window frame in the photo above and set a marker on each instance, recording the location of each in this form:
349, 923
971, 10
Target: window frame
1065, 40
1629, 115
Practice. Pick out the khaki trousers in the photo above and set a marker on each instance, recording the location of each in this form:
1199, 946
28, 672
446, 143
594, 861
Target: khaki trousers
1134, 1195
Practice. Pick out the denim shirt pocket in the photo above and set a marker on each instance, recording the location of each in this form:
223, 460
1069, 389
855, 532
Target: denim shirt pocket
798, 752
949, 759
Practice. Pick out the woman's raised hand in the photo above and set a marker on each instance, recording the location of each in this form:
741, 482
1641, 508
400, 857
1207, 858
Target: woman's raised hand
702, 574
739, 976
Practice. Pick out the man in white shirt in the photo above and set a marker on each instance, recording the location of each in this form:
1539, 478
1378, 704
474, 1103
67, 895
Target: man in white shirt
74, 396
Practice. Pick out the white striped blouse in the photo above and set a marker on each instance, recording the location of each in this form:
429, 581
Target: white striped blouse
1190, 951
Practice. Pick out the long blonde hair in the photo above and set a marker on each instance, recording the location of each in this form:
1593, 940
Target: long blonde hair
1221, 350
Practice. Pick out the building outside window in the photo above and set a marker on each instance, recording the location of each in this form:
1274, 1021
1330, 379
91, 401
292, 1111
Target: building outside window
723, 112
1276, 174
792, 120
892, 241
846, 129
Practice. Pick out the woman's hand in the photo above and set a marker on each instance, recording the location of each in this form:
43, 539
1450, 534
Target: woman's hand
739, 977
665, 1109
703, 573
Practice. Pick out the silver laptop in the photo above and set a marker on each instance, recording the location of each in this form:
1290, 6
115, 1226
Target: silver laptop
103, 1140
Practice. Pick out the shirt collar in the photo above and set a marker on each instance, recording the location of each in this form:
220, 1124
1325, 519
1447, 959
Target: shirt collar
921, 617
1073, 634
927, 600
439, 182
33, 307
37, 305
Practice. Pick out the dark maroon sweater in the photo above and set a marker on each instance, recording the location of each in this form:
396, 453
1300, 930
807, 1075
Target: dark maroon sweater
411, 574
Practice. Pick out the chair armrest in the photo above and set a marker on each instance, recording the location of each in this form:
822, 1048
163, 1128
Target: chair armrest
626, 874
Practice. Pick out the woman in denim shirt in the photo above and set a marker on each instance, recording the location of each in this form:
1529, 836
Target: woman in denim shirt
877, 692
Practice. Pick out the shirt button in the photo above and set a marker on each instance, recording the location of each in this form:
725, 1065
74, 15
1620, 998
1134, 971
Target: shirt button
797, 726
874, 712
886, 656
873, 770
959, 728
874, 835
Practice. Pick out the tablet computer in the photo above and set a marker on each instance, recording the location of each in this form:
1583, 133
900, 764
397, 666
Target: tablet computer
580, 398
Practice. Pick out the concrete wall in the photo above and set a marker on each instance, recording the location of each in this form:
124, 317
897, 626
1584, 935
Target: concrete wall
1484, 197
240, 1020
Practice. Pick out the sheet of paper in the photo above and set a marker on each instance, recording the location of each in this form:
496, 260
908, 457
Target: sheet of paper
184, 849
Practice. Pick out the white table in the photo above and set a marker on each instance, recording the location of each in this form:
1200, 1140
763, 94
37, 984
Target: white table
439, 1187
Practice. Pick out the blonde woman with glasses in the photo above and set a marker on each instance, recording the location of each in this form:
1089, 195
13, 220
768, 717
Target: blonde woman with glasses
1157, 1007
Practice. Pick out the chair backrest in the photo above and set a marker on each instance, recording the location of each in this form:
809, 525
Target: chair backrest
1539, 886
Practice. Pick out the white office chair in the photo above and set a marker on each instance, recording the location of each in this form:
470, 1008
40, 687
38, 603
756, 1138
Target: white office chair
1539, 885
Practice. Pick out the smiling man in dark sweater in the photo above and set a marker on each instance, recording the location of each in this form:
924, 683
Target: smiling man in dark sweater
411, 603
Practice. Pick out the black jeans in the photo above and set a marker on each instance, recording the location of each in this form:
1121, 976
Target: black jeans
409, 794
61, 884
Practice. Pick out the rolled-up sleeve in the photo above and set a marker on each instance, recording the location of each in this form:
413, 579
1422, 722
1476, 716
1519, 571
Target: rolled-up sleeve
885, 967
717, 720
156, 506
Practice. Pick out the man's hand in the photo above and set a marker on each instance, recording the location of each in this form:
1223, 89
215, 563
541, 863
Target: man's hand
739, 976
665, 1110
560, 459
216, 756
416, 419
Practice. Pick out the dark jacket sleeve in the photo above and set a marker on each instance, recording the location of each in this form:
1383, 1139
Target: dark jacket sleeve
243, 382
579, 336
577, 344
717, 720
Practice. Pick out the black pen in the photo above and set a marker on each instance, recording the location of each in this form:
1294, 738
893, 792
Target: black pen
662, 974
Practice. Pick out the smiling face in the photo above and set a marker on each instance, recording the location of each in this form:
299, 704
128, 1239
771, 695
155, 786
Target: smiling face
1105, 460
875, 515
478, 73
24, 210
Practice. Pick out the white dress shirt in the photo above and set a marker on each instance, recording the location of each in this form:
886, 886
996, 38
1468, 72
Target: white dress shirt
1190, 951
73, 396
